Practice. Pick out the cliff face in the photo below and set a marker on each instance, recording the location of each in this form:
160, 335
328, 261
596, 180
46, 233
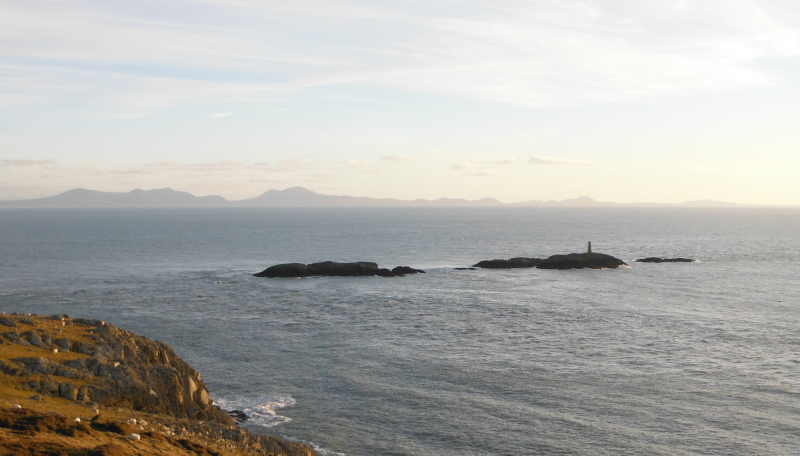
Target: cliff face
107, 365
62, 367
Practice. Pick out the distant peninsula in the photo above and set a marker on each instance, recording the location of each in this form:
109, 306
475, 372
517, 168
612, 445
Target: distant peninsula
302, 197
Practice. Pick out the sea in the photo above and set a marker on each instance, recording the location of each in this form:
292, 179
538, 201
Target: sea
699, 358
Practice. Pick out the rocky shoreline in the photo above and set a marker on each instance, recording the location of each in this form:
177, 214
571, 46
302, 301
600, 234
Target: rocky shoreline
86, 387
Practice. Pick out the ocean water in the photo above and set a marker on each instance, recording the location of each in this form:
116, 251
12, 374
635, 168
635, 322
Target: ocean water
655, 359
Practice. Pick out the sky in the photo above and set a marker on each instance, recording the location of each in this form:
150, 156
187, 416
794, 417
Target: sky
619, 100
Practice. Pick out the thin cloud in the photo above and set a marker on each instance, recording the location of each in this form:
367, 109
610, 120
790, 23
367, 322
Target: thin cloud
564, 53
225, 165
284, 166
463, 166
541, 160
133, 172
361, 166
10, 163
466, 166
223, 168
398, 158
507, 161
219, 115
352, 163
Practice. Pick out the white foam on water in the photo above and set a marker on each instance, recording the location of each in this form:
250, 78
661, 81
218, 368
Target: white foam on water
322, 451
317, 449
262, 410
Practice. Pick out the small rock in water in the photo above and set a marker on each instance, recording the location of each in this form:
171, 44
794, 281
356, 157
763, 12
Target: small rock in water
402, 270
238, 415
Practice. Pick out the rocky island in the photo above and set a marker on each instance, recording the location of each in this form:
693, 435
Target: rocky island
513, 263
580, 261
331, 268
570, 261
83, 387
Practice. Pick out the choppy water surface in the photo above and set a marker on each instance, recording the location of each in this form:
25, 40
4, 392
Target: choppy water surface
672, 359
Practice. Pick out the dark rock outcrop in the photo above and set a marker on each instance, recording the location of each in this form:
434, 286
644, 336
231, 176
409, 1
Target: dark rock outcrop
334, 269
581, 261
118, 375
285, 270
665, 260
238, 416
513, 263
122, 369
403, 270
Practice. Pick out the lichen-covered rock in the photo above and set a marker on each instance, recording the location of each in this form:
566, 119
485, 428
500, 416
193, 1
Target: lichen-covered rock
130, 367
124, 370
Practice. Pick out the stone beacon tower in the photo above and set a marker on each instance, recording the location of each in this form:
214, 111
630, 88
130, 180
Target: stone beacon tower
590, 247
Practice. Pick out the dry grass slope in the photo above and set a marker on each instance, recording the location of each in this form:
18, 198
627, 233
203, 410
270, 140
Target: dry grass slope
39, 419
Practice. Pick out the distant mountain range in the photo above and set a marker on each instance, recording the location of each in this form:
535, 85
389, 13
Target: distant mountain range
301, 197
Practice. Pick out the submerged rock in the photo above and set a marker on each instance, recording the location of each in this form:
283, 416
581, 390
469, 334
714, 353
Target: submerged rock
513, 263
581, 261
665, 260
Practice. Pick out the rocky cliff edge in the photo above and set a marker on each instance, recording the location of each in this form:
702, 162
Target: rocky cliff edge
60, 366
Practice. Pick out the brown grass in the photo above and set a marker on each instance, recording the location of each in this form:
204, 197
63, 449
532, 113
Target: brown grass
46, 426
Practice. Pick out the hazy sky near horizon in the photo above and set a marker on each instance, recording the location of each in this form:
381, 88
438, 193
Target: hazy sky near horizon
620, 100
